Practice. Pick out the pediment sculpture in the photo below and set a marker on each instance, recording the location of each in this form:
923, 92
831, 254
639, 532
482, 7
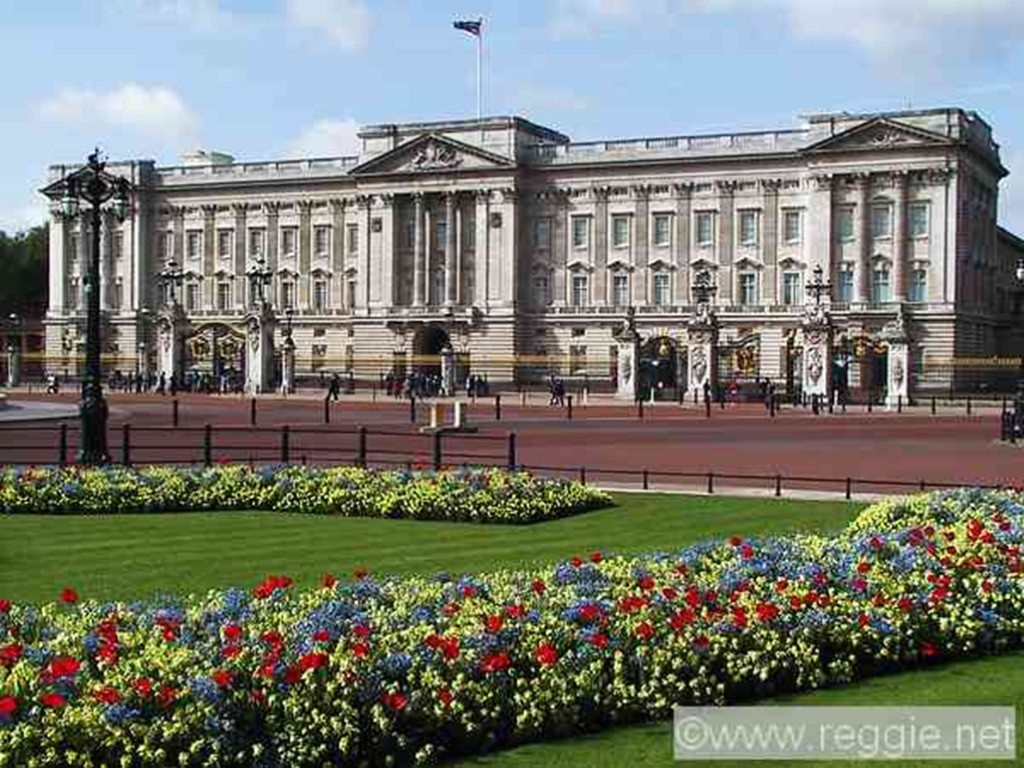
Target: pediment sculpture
434, 155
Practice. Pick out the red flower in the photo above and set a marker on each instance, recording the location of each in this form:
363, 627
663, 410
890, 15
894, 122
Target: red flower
986, 587
232, 632
739, 618
589, 612
60, 667
513, 611
576, 562
863, 619
361, 630
53, 700
292, 675
169, 635
10, 654
395, 701
143, 687
450, 647
595, 557
259, 696
270, 584
266, 670
5, 607
766, 612
781, 585
7, 705
701, 642
644, 630
495, 662
746, 552
905, 604
230, 651
321, 636
328, 580
669, 593
68, 595
451, 609
735, 541
863, 567
106, 695
313, 661
469, 591
645, 582
538, 587
681, 619
361, 572
445, 697
598, 640
929, 649
493, 623
222, 677
272, 638
546, 654
360, 650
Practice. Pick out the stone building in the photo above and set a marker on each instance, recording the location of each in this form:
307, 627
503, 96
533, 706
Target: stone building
523, 250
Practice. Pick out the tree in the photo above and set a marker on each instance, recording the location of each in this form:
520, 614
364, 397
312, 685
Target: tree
24, 264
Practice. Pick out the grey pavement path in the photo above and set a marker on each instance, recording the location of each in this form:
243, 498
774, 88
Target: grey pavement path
35, 410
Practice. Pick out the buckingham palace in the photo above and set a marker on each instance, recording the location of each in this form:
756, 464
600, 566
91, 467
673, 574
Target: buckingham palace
525, 254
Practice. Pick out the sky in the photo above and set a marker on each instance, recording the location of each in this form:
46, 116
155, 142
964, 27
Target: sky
264, 79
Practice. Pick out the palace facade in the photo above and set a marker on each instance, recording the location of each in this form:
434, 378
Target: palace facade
523, 250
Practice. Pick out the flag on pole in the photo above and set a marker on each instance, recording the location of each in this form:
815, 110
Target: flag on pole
473, 27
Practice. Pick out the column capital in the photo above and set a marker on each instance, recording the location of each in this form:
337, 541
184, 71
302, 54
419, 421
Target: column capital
271, 207
239, 208
770, 185
640, 191
305, 206
209, 209
482, 195
824, 181
364, 201
682, 189
726, 186
386, 199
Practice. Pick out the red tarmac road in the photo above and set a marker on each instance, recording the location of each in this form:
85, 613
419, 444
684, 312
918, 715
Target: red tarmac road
944, 449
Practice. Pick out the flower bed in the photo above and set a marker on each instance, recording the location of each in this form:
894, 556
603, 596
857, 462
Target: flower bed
395, 671
471, 495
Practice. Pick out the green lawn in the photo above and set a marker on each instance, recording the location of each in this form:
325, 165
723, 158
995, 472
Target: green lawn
129, 556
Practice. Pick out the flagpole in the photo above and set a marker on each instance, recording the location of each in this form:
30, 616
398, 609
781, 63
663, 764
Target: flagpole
479, 70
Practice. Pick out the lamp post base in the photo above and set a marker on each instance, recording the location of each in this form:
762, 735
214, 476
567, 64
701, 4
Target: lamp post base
93, 411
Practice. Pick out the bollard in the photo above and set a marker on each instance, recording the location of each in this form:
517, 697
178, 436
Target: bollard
711, 482
374, 395
459, 415
831, 405
497, 407
208, 445
583, 475
434, 415
640, 408
126, 457
569, 411
361, 457
922, 486
522, 398
62, 447
707, 407
679, 395
174, 412
412, 409
511, 451
285, 445
933, 405
778, 485
327, 410
695, 397
899, 403
252, 412
645, 483
869, 403
842, 407
437, 451
968, 405
849, 488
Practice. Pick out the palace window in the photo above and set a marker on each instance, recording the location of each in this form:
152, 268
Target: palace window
620, 231
74, 242
705, 229
255, 243
410, 234
620, 290
116, 295
289, 236
661, 289
580, 231
320, 295
194, 244
350, 295
321, 240
919, 219
881, 220
73, 294
844, 292
577, 358
791, 227
117, 245
223, 296
165, 245
918, 288
662, 230
439, 286
579, 290
792, 288
440, 235
287, 294
319, 356
224, 243
880, 292
748, 289
748, 228
844, 224
542, 233
352, 238
191, 296
541, 291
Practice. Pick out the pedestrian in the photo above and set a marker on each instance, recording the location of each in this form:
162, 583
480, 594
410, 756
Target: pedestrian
334, 390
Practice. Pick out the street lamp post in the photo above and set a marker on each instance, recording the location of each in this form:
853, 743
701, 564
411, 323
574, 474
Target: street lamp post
13, 348
1018, 400
93, 184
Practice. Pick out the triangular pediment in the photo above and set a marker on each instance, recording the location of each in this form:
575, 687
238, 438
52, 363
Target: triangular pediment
431, 153
879, 133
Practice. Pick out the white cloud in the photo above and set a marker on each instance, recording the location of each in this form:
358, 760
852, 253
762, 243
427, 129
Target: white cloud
885, 29
345, 22
153, 112
326, 138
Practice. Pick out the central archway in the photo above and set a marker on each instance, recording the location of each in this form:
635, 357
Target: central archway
426, 349
659, 367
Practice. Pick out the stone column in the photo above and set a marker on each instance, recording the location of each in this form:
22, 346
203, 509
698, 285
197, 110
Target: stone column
820, 226
895, 334
643, 288
170, 343
600, 246
208, 291
288, 366
862, 224
681, 241
561, 246
240, 242
449, 250
365, 258
337, 253
388, 279
259, 353
304, 298
458, 251
59, 275
726, 191
701, 358
899, 238
817, 373
627, 342
482, 254
419, 253
770, 284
